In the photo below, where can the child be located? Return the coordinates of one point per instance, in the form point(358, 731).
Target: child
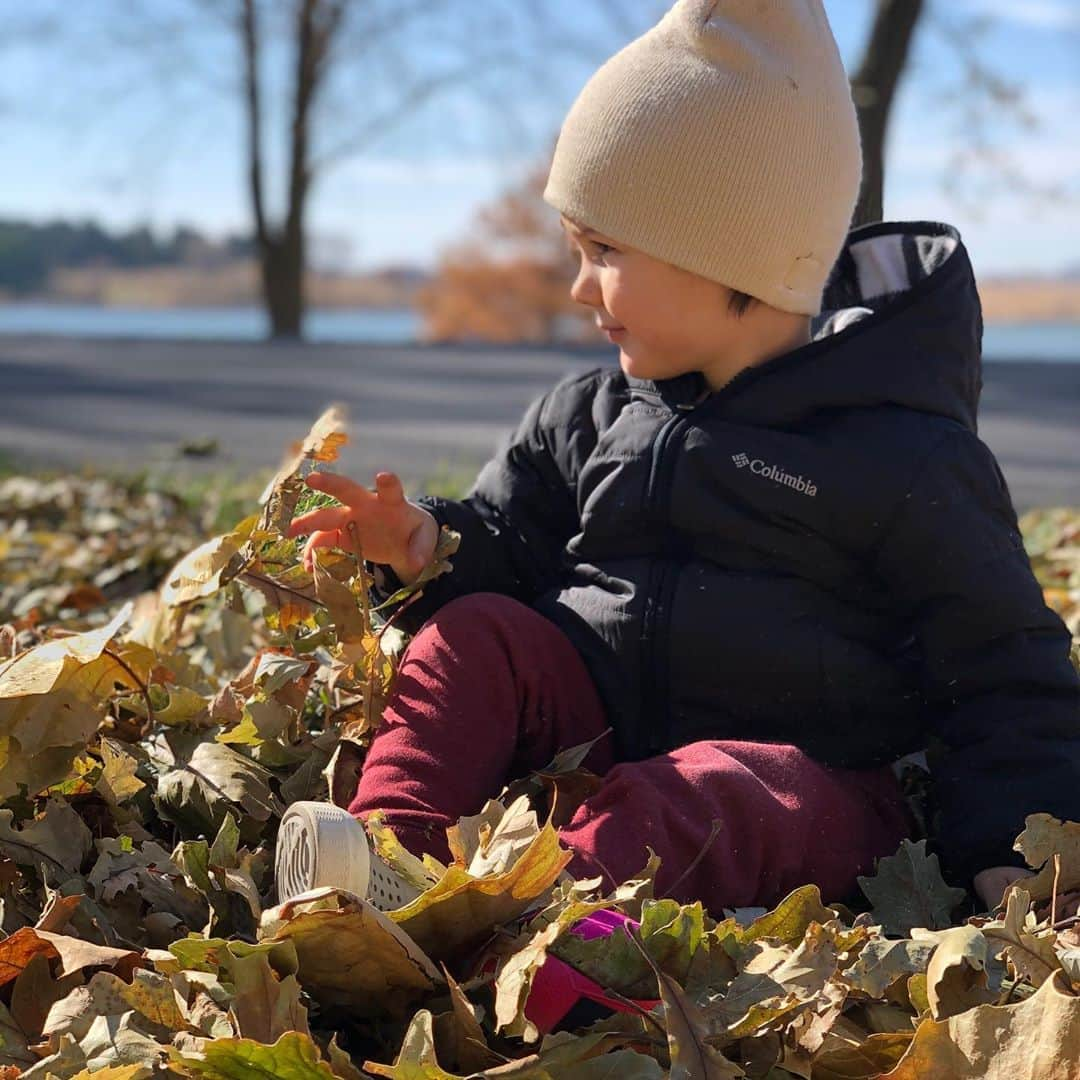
point(768, 550)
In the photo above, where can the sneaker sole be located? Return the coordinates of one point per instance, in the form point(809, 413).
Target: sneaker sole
point(320, 844)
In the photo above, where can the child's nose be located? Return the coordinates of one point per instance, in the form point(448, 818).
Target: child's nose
point(586, 288)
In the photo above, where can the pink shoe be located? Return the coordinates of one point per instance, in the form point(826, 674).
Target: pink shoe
point(557, 987)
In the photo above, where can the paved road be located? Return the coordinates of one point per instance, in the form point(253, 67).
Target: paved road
point(420, 410)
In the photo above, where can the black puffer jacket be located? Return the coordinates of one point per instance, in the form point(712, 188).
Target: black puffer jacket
point(822, 552)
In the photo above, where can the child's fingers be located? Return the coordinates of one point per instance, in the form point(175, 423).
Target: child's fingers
point(326, 517)
point(341, 487)
point(388, 487)
point(323, 538)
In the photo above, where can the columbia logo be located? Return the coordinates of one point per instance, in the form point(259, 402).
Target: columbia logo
point(774, 472)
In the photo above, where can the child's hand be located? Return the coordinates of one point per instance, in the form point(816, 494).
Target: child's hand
point(388, 527)
point(992, 884)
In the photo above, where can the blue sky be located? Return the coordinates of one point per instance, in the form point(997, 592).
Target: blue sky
point(88, 132)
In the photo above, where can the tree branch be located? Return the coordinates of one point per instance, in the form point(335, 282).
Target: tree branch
point(415, 96)
point(249, 36)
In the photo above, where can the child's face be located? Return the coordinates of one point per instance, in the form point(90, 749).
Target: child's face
point(671, 321)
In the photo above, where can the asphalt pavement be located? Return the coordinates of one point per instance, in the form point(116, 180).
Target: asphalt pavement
point(421, 410)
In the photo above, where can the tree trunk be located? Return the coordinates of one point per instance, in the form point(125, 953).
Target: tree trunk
point(872, 89)
point(283, 288)
point(282, 254)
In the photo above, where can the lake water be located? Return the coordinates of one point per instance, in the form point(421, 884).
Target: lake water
point(1057, 341)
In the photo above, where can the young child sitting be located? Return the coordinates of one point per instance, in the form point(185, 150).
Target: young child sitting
point(768, 549)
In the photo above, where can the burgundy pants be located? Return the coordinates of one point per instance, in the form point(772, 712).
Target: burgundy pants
point(489, 689)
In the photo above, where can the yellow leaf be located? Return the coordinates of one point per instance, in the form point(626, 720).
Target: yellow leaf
point(52, 698)
point(173, 705)
point(64, 662)
point(322, 443)
point(460, 911)
point(149, 993)
point(1038, 1039)
point(116, 1072)
point(1043, 838)
point(118, 781)
point(243, 734)
point(198, 574)
point(788, 921)
point(295, 1056)
point(349, 953)
point(956, 976)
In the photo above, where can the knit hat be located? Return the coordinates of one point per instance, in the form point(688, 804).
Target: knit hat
point(723, 140)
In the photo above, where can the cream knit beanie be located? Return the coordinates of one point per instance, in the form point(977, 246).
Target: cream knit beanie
point(723, 140)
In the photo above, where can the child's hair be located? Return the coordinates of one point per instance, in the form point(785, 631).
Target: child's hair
point(738, 302)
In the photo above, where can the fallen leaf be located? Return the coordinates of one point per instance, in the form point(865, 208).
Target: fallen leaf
point(460, 910)
point(57, 838)
point(1036, 1039)
point(350, 953)
point(956, 975)
point(118, 781)
point(692, 1056)
point(212, 781)
point(52, 698)
point(293, 1057)
point(881, 963)
point(1044, 837)
point(1029, 950)
point(863, 1060)
point(787, 922)
point(908, 891)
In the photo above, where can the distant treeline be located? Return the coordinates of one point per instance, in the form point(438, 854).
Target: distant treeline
point(30, 253)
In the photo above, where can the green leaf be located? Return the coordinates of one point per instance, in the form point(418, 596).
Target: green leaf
point(671, 933)
point(293, 1057)
point(787, 922)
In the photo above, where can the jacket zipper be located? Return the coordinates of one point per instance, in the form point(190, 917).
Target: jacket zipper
point(660, 590)
point(661, 584)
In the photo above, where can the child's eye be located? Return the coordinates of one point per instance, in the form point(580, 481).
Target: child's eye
point(601, 249)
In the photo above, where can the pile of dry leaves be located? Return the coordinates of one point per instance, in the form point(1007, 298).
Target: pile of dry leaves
point(163, 699)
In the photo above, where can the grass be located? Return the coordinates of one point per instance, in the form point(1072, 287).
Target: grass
point(219, 498)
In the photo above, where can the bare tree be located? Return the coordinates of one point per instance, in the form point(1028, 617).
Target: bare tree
point(349, 72)
point(281, 249)
point(319, 41)
point(328, 35)
point(873, 88)
point(980, 93)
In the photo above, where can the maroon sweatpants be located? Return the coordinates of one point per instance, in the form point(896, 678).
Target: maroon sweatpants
point(489, 689)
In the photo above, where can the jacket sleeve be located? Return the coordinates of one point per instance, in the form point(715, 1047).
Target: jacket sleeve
point(520, 512)
point(996, 668)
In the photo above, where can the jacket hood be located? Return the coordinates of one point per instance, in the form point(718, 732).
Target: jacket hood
point(901, 324)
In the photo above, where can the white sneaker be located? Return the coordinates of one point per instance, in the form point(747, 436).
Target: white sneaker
point(320, 844)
